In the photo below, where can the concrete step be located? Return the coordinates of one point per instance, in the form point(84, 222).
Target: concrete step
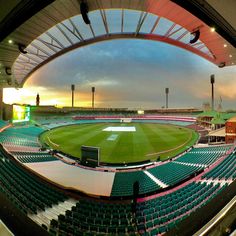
point(45, 217)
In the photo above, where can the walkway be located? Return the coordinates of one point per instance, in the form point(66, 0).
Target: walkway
point(157, 181)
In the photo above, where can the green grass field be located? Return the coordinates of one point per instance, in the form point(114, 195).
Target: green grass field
point(147, 143)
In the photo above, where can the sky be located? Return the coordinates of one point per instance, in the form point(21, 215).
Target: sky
point(129, 73)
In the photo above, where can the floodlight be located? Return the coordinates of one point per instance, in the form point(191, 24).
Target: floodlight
point(21, 48)
point(84, 12)
point(196, 35)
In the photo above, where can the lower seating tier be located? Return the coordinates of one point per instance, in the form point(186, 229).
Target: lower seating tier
point(146, 217)
point(25, 190)
point(31, 157)
point(124, 181)
point(172, 173)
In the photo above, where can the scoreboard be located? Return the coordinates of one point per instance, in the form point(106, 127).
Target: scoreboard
point(20, 113)
point(90, 156)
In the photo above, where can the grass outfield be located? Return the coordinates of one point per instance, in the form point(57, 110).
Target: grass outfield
point(147, 143)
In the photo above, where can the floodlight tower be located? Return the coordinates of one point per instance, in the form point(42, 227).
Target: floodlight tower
point(167, 93)
point(72, 93)
point(93, 92)
point(212, 91)
point(37, 100)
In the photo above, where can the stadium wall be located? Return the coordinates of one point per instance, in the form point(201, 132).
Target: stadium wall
point(230, 130)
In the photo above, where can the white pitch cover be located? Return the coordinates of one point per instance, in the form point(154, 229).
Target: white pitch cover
point(120, 129)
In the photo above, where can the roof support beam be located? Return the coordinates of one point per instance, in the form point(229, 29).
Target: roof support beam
point(40, 50)
point(170, 29)
point(50, 45)
point(104, 19)
point(155, 24)
point(103, 15)
point(122, 20)
point(28, 62)
point(201, 47)
point(71, 31)
point(142, 18)
point(197, 44)
point(75, 30)
point(182, 35)
point(174, 32)
point(37, 54)
point(56, 40)
point(92, 31)
point(30, 58)
point(65, 35)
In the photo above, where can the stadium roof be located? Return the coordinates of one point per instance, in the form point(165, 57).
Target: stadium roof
point(209, 113)
point(232, 119)
point(48, 29)
point(217, 133)
point(218, 120)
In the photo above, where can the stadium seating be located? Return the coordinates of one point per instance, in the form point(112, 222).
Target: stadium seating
point(153, 215)
point(169, 173)
point(59, 123)
point(29, 157)
point(18, 140)
point(25, 190)
point(53, 121)
point(162, 213)
point(29, 130)
point(172, 173)
point(123, 183)
point(158, 215)
point(21, 136)
point(171, 122)
point(225, 170)
point(204, 156)
point(91, 217)
point(3, 123)
point(222, 149)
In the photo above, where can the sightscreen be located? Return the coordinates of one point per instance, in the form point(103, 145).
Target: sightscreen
point(20, 113)
point(90, 156)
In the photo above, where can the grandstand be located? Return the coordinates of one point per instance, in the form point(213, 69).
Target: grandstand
point(29, 157)
point(203, 172)
point(27, 193)
point(224, 170)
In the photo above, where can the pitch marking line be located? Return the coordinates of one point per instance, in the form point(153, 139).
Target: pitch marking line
point(52, 142)
point(169, 150)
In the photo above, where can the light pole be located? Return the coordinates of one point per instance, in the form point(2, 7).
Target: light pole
point(93, 92)
point(212, 91)
point(72, 93)
point(167, 93)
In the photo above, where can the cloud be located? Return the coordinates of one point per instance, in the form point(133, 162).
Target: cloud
point(133, 73)
point(226, 91)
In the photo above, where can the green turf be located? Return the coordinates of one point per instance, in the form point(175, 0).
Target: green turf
point(147, 143)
